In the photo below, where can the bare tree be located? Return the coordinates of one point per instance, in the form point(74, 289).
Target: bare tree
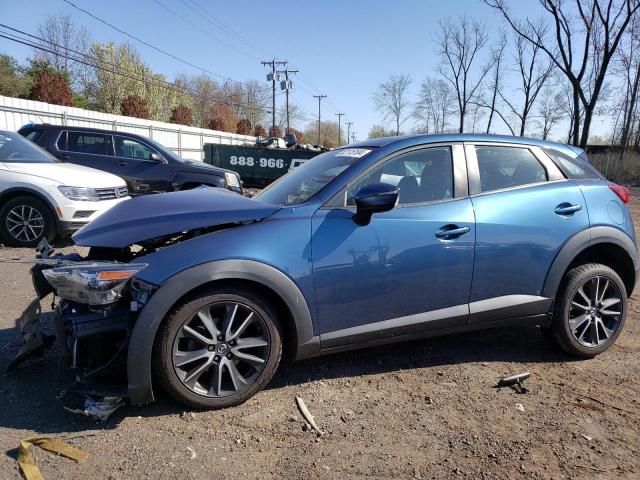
point(582, 47)
point(459, 45)
point(391, 99)
point(629, 64)
point(550, 111)
point(434, 105)
point(533, 76)
point(497, 53)
point(61, 37)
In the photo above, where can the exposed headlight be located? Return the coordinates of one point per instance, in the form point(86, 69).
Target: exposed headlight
point(95, 283)
point(79, 193)
point(232, 179)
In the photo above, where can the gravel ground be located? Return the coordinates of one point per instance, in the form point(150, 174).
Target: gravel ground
point(422, 409)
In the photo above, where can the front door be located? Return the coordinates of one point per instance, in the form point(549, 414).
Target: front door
point(410, 269)
point(133, 162)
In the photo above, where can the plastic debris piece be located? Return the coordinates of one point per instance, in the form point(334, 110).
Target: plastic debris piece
point(99, 409)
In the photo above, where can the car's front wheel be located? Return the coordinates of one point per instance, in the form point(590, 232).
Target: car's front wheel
point(590, 310)
point(24, 221)
point(218, 349)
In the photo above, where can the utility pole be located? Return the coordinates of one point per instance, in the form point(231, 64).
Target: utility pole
point(353, 137)
point(272, 77)
point(339, 118)
point(319, 97)
point(286, 86)
point(349, 131)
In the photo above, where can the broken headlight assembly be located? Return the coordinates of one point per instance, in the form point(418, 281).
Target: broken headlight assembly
point(93, 283)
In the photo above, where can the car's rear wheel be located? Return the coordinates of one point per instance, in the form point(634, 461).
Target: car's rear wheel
point(590, 310)
point(24, 221)
point(218, 349)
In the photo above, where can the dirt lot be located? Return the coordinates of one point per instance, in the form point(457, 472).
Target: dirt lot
point(424, 409)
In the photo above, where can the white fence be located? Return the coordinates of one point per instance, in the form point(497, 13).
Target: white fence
point(185, 141)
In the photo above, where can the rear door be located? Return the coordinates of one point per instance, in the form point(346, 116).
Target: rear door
point(525, 210)
point(132, 161)
point(86, 148)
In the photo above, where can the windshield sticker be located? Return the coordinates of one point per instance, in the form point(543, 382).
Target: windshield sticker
point(353, 152)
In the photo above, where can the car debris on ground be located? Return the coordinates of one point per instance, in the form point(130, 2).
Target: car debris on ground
point(27, 461)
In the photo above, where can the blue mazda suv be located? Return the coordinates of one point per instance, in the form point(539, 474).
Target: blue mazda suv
point(199, 293)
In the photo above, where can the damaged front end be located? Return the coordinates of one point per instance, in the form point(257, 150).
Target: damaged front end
point(100, 294)
point(98, 303)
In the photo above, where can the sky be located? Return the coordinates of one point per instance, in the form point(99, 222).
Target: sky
point(343, 49)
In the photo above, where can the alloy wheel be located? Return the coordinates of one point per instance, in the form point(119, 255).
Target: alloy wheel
point(221, 350)
point(596, 311)
point(24, 223)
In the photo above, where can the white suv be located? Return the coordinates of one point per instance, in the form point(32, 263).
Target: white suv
point(43, 198)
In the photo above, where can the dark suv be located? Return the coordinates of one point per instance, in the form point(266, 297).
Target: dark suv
point(145, 165)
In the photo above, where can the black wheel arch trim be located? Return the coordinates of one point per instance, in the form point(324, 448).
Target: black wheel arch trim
point(580, 242)
point(139, 374)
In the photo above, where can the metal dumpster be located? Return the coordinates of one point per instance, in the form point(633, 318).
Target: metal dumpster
point(257, 166)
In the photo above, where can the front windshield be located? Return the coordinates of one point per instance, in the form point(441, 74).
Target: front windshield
point(16, 149)
point(305, 181)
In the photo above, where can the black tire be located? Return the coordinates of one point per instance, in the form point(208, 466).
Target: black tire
point(565, 308)
point(165, 372)
point(42, 221)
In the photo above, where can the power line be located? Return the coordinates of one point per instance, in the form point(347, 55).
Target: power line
point(339, 117)
point(164, 52)
point(287, 86)
point(222, 26)
point(95, 63)
point(273, 76)
point(349, 131)
point(189, 22)
point(319, 97)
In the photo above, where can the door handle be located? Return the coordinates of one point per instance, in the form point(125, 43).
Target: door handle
point(449, 232)
point(120, 163)
point(567, 209)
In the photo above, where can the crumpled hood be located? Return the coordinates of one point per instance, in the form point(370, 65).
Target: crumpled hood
point(151, 216)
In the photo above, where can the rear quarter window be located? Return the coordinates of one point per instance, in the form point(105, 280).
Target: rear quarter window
point(577, 168)
point(33, 134)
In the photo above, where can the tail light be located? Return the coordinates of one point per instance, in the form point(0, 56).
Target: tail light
point(622, 192)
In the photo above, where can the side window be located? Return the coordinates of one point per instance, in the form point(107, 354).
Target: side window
point(504, 167)
point(131, 148)
point(82, 142)
point(33, 134)
point(574, 168)
point(62, 141)
point(422, 176)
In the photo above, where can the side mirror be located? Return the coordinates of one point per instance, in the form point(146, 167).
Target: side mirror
point(374, 198)
point(156, 157)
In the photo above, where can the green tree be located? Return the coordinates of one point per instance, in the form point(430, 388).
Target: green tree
point(121, 73)
point(13, 81)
